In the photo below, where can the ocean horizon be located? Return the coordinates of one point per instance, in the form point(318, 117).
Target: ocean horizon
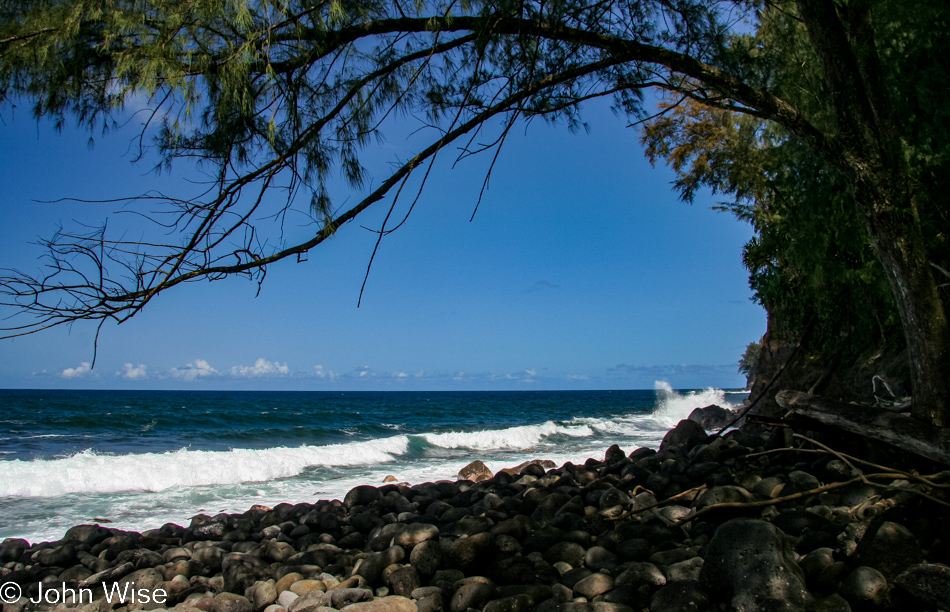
point(135, 460)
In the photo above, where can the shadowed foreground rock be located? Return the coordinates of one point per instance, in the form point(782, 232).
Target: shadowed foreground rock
point(691, 527)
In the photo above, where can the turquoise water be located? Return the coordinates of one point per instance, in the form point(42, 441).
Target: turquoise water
point(141, 459)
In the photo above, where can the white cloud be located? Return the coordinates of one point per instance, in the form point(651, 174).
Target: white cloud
point(524, 376)
point(83, 370)
point(261, 369)
point(322, 374)
point(193, 371)
point(130, 372)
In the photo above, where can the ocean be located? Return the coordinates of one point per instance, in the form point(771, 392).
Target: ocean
point(136, 460)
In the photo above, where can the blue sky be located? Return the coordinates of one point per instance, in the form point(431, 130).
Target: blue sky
point(581, 270)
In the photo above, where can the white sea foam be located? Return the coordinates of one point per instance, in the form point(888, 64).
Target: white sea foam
point(525, 436)
point(90, 472)
point(673, 407)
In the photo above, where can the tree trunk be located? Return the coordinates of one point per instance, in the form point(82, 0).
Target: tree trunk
point(872, 157)
point(894, 428)
point(897, 239)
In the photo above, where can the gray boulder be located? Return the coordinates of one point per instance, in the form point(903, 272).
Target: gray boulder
point(753, 562)
point(928, 582)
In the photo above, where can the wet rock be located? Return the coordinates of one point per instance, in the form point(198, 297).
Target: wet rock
point(683, 437)
point(475, 471)
point(712, 416)
point(752, 562)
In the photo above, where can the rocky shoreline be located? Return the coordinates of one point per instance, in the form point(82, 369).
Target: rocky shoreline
point(752, 520)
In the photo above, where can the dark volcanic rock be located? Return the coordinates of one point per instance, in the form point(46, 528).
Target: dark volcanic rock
point(929, 583)
point(753, 561)
point(685, 596)
point(683, 437)
point(712, 416)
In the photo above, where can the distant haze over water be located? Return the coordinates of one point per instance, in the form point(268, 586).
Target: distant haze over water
point(142, 459)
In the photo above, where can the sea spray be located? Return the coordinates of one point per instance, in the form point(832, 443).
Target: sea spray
point(673, 406)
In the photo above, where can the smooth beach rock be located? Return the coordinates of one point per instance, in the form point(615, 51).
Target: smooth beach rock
point(753, 562)
point(683, 437)
point(614, 454)
point(639, 573)
point(471, 595)
point(426, 557)
point(242, 570)
point(712, 416)
point(593, 585)
point(475, 471)
point(864, 587)
point(286, 581)
point(415, 534)
point(684, 571)
point(392, 603)
point(566, 552)
point(361, 496)
point(371, 568)
point(890, 547)
point(514, 603)
point(285, 598)
point(928, 582)
point(471, 551)
point(229, 602)
point(680, 596)
point(598, 558)
point(341, 598)
point(404, 581)
point(590, 606)
point(261, 594)
point(308, 602)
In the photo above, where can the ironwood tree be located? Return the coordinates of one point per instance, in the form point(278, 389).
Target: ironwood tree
point(276, 95)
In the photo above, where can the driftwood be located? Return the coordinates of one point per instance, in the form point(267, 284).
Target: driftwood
point(900, 430)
